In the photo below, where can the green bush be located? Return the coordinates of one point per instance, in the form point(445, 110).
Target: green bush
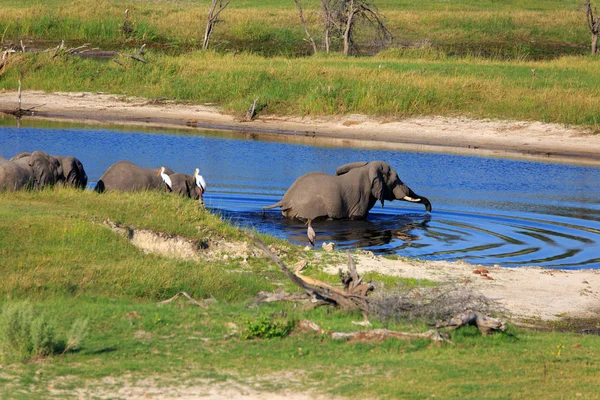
point(25, 336)
point(267, 328)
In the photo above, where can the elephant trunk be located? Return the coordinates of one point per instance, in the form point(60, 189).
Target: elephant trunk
point(403, 192)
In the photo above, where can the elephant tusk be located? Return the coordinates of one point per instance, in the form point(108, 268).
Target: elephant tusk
point(411, 199)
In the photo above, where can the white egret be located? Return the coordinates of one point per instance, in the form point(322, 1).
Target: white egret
point(166, 179)
point(200, 185)
point(200, 182)
point(310, 232)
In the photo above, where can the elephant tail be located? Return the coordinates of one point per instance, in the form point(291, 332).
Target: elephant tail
point(278, 204)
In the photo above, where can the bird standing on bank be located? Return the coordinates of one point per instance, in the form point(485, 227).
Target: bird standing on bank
point(200, 184)
point(310, 232)
point(166, 180)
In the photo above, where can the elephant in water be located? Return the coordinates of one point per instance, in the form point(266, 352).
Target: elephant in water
point(71, 172)
point(349, 194)
point(184, 185)
point(128, 177)
point(125, 176)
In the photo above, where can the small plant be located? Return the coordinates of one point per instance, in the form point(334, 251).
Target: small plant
point(267, 328)
point(25, 336)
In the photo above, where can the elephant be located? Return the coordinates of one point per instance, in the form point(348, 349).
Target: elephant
point(128, 177)
point(184, 185)
point(14, 176)
point(349, 194)
point(72, 173)
point(30, 170)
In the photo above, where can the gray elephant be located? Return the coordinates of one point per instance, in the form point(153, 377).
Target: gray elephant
point(71, 172)
point(129, 177)
point(30, 170)
point(350, 194)
point(13, 176)
point(184, 185)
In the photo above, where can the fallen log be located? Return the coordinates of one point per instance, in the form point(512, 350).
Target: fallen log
point(346, 300)
point(374, 335)
point(484, 323)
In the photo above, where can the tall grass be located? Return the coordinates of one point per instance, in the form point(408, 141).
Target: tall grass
point(393, 84)
point(532, 28)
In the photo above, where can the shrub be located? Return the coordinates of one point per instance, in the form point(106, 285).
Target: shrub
point(25, 336)
point(266, 328)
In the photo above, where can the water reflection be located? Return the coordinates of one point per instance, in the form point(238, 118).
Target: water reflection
point(484, 210)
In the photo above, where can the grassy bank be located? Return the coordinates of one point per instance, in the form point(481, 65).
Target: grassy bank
point(489, 59)
point(393, 84)
point(55, 252)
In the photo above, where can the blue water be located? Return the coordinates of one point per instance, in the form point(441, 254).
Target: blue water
point(485, 210)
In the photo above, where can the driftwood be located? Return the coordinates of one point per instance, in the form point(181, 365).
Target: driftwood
point(251, 113)
point(351, 299)
point(373, 335)
point(484, 323)
point(19, 112)
point(281, 295)
point(84, 51)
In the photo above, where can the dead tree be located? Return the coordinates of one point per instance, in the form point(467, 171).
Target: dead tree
point(213, 18)
point(352, 298)
point(310, 39)
point(593, 23)
point(362, 11)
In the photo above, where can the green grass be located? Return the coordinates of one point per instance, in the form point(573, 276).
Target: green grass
point(463, 58)
point(390, 85)
point(532, 28)
point(55, 253)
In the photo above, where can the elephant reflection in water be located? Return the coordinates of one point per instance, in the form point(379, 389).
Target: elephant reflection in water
point(366, 233)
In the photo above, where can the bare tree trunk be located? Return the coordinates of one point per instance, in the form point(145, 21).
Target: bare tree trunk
point(328, 20)
point(312, 42)
point(212, 20)
point(593, 25)
point(349, 24)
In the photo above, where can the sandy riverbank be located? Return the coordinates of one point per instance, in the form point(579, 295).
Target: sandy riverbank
point(522, 292)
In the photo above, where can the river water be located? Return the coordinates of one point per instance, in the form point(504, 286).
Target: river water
point(485, 210)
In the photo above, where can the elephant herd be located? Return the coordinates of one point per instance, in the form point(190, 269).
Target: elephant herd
point(349, 194)
point(37, 170)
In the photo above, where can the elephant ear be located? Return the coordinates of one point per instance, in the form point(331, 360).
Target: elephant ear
point(347, 167)
point(377, 183)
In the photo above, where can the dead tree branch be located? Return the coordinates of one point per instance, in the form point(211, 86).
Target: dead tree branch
point(310, 39)
point(58, 48)
point(347, 301)
point(187, 296)
point(213, 18)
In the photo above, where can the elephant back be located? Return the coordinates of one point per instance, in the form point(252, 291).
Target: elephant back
point(127, 176)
